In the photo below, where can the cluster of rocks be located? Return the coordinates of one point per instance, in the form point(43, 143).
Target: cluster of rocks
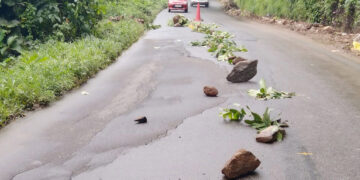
point(243, 71)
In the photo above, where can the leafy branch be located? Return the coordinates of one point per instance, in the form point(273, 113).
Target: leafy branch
point(221, 45)
point(233, 114)
point(262, 122)
point(202, 27)
point(265, 93)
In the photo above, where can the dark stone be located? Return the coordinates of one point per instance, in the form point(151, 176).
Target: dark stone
point(243, 71)
point(141, 120)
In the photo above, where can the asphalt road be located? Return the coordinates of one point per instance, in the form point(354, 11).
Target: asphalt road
point(93, 137)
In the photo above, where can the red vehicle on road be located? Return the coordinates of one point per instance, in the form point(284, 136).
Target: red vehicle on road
point(178, 5)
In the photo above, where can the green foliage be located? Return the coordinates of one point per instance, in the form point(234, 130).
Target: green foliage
point(41, 75)
point(262, 122)
point(31, 20)
point(233, 114)
point(221, 45)
point(180, 19)
point(341, 13)
point(202, 27)
point(265, 93)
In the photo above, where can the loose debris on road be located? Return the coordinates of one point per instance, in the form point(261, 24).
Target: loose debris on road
point(210, 91)
point(268, 129)
point(265, 93)
point(141, 120)
point(305, 153)
point(179, 21)
point(220, 44)
point(243, 71)
point(241, 163)
point(202, 27)
point(85, 93)
point(270, 134)
point(233, 114)
point(234, 60)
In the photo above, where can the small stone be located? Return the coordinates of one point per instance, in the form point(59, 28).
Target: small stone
point(237, 59)
point(141, 21)
point(177, 25)
point(242, 163)
point(316, 24)
point(243, 71)
point(300, 27)
point(328, 29)
point(268, 135)
point(141, 120)
point(116, 18)
point(308, 26)
point(210, 91)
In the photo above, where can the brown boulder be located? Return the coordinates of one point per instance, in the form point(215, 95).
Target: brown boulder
point(210, 91)
point(176, 19)
point(242, 163)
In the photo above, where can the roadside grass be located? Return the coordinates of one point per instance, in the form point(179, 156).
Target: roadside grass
point(343, 14)
point(40, 76)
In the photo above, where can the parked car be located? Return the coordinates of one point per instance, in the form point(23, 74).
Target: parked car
point(202, 2)
point(178, 5)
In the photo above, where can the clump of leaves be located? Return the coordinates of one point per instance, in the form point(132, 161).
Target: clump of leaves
point(179, 21)
point(221, 45)
point(262, 122)
point(265, 93)
point(153, 26)
point(233, 114)
point(202, 27)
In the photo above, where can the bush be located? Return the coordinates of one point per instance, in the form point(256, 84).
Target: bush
point(39, 76)
point(340, 13)
point(31, 20)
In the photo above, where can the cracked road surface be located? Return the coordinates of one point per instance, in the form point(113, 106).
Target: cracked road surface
point(93, 137)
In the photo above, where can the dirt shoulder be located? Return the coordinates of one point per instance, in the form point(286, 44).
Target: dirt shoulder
point(340, 41)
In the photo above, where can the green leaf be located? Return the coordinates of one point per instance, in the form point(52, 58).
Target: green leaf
point(11, 40)
point(9, 2)
point(257, 117)
point(250, 122)
point(3, 50)
point(262, 84)
point(258, 125)
point(279, 136)
point(8, 24)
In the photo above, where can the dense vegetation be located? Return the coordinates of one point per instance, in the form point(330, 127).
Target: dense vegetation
point(339, 13)
point(50, 46)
